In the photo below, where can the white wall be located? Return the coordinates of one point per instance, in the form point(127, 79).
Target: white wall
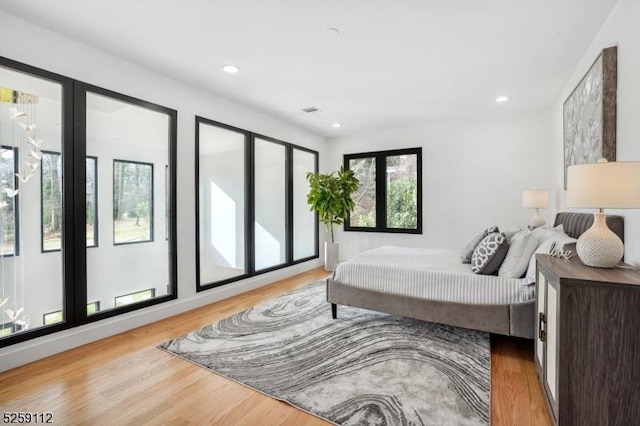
point(473, 174)
point(621, 28)
point(42, 48)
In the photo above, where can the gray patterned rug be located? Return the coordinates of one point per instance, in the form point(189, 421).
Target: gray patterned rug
point(365, 368)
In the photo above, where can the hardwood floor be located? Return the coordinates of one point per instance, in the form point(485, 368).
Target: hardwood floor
point(125, 379)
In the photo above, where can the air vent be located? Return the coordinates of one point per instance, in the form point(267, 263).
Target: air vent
point(312, 109)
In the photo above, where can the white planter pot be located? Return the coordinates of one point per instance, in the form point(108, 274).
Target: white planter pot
point(331, 255)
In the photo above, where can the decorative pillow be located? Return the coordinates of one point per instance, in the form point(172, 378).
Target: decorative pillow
point(521, 248)
point(562, 239)
point(467, 251)
point(489, 254)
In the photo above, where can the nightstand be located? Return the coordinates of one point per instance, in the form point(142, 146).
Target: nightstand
point(587, 344)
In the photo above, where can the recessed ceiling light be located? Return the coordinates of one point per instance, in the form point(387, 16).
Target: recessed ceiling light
point(336, 125)
point(501, 99)
point(231, 69)
point(332, 33)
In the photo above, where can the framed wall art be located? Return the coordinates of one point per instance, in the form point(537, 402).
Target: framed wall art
point(589, 114)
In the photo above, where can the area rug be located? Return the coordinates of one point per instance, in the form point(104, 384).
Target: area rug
point(363, 368)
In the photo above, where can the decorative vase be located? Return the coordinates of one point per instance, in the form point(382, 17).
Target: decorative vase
point(331, 255)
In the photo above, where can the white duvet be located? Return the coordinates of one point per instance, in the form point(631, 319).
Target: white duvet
point(432, 274)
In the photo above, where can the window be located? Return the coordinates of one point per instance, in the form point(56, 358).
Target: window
point(136, 297)
point(93, 307)
point(8, 201)
point(52, 318)
point(252, 211)
point(305, 223)
point(132, 202)
point(51, 197)
point(51, 186)
point(56, 316)
point(7, 329)
point(51, 203)
point(270, 203)
point(222, 206)
point(135, 193)
point(389, 198)
point(91, 201)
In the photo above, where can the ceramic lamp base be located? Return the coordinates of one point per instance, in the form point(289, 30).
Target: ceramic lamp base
point(536, 220)
point(599, 246)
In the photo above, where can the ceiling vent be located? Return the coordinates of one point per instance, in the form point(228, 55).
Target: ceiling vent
point(311, 110)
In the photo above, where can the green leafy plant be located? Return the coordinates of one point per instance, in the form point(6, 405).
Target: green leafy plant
point(330, 196)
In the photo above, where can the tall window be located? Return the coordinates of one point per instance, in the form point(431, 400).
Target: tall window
point(222, 207)
point(52, 208)
point(32, 122)
point(252, 210)
point(8, 201)
point(270, 203)
point(132, 202)
point(136, 140)
point(51, 187)
point(389, 198)
point(51, 184)
point(91, 201)
point(305, 228)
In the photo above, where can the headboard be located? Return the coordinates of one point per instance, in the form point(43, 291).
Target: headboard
point(576, 223)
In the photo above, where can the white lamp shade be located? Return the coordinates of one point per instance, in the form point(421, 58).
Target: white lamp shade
point(604, 185)
point(535, 198)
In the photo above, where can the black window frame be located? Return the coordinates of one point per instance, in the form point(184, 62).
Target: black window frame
point(249, 228)
point(380, 158)
point(151, 201)
point(80, 109)
point(74, 253)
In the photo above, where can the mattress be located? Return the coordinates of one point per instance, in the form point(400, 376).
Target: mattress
point(432, 274)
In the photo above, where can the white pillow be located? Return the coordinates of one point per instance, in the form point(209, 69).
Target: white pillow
point(543, 233)
point(509, 233)
point(521, 248)
point(562, 239)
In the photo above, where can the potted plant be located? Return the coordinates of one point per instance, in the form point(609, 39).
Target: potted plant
point(330, 197)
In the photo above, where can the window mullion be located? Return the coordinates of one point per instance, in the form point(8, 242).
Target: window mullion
point(381, 190)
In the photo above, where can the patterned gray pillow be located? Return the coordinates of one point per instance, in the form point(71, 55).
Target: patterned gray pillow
point(468, 249)
point(489, 254)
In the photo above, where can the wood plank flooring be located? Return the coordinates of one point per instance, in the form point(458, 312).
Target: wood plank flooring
point(125, 379)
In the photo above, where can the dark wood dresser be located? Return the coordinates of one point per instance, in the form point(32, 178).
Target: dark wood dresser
point(587, 345)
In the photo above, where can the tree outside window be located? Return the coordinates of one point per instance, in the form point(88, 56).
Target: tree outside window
point(132, 202)
point(51, 184)
point(8, 216)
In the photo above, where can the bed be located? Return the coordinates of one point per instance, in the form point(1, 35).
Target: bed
point(433, 285)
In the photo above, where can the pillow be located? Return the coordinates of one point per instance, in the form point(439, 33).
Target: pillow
point(489, 254)
point(543, 233)
point(467, 251)
point(562, 239)
point(509, 233)
point(521, 248)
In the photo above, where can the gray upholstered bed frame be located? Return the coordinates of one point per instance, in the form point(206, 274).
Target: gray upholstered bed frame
point(516, 319)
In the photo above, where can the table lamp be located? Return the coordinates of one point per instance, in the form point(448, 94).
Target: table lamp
point(535, 199)
point(603, 185)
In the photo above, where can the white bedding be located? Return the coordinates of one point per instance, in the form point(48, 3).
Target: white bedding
point(429, 274)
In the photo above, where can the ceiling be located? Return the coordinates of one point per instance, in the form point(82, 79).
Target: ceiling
point(395, 63)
